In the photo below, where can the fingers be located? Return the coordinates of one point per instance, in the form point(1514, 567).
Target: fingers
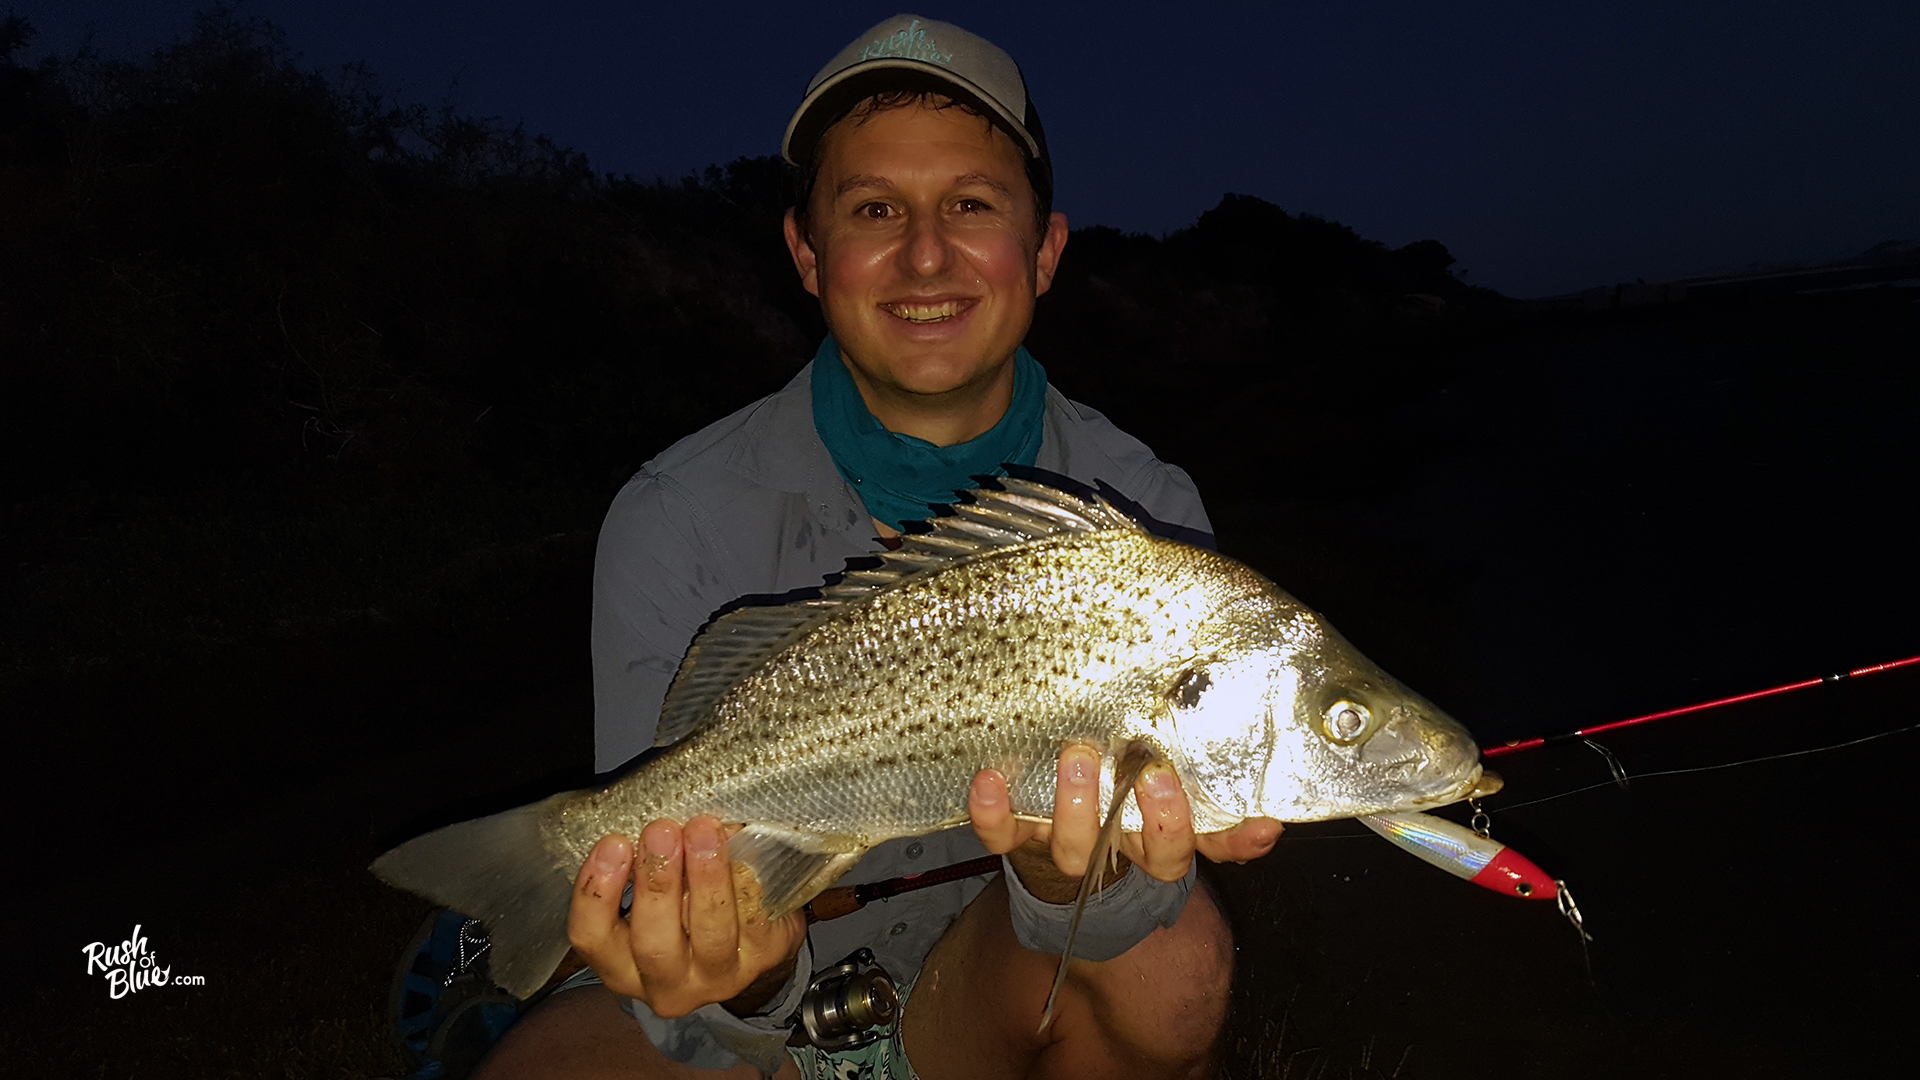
point(593, 917)
point(1248, 840)
point(712, 926)
point(1166, 837)
point(689, 940)
point(990, 807)
point(1076, 810)
point(1168, 843)
point(658, 945)
point(1165, 849)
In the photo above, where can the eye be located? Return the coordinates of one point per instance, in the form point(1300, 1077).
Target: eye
point(973, 206)
point(875, 211)
point(1188, 688)
point(1347, 720)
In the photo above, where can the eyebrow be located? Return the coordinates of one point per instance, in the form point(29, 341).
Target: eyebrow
point(864, 182)
point(985, 181)
point(859, 183)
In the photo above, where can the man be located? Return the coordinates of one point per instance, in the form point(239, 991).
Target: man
point(924, 226)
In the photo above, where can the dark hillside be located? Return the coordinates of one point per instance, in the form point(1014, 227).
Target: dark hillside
point(234, 285)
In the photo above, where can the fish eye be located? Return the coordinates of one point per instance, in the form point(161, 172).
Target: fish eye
point(1188, 688)
point(1347, 720)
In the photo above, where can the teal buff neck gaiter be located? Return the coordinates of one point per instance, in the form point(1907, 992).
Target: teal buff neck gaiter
point(899, 477)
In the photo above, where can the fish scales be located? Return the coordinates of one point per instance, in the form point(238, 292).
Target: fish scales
point(872, 725)
point(1029, 619)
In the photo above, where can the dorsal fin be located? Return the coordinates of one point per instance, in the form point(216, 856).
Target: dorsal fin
point(1013, 514)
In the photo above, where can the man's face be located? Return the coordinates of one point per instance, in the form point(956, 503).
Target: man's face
point(923, 249)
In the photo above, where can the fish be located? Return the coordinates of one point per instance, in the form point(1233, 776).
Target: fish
point(1025, 618)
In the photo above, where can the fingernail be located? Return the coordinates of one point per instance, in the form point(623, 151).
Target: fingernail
point(1161, 783)
point(702, 839)
point(659, 842)
point(606, 856)
point(1079, 770)
point(985, 791)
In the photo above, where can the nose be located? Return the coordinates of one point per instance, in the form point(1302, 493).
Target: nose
point(928, 250)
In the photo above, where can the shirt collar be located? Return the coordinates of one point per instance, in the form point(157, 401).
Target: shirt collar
point(781, 450)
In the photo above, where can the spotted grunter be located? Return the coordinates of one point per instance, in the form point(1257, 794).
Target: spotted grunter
point(1028, 619)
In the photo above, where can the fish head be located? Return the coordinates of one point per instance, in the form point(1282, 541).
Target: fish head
point(1277, 715)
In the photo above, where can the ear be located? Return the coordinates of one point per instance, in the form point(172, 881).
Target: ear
point(1048, 259)
point(804, 259)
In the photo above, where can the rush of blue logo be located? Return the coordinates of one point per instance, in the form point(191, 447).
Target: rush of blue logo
point(910, 44)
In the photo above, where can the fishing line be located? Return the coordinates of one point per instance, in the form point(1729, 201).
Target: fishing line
point(1713, 768)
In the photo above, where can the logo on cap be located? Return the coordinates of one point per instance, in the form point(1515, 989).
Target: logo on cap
point(909, 44)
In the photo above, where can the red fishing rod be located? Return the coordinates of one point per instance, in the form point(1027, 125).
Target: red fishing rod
point(1518, 745)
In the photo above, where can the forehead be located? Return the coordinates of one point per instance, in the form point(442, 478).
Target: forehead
point(919, 139)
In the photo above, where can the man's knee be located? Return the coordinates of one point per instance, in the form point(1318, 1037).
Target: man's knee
point(1184, 981)
point(584, 1034)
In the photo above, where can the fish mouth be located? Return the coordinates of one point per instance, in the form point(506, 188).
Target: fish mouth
point(1477, 784)
point(1488, 784)
point(1429, 759)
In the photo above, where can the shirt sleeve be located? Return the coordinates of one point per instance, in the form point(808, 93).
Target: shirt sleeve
point(1082, 443)
point(1171, 500)
point(1117, 917)
point(659, 573)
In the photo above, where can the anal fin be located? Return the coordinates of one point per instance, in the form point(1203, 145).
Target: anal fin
point(1105, 855)
point(791, 866)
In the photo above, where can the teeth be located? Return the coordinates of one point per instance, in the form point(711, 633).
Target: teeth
point(923, 313)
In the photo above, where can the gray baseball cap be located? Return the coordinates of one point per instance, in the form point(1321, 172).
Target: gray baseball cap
point(974, 69)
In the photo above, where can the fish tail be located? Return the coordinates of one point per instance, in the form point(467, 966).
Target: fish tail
point(496, 869)
point(1126, 770)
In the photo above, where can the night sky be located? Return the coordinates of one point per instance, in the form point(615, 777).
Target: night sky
point(1552, 147)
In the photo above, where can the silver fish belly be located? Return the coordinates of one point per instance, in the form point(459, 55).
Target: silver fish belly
point(1028, 620)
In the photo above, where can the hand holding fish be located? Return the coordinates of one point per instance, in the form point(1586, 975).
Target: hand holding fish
point(690, 940)
point(1164, 850)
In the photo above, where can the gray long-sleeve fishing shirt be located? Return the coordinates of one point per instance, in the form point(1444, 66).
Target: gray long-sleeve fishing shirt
point(753, 504)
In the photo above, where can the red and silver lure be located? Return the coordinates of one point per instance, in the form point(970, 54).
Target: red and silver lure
point(1464, 853)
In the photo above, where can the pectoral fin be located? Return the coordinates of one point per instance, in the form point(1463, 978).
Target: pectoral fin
point(792, 866)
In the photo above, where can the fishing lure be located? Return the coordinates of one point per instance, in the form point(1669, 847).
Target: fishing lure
point(1465, 854)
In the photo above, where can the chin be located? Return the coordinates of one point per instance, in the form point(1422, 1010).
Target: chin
point(941, 380)
point(935, 374)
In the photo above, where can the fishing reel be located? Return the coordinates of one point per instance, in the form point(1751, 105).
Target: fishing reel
point(846, 1004)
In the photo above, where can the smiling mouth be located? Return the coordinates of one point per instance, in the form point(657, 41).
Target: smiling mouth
point(927, 313)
